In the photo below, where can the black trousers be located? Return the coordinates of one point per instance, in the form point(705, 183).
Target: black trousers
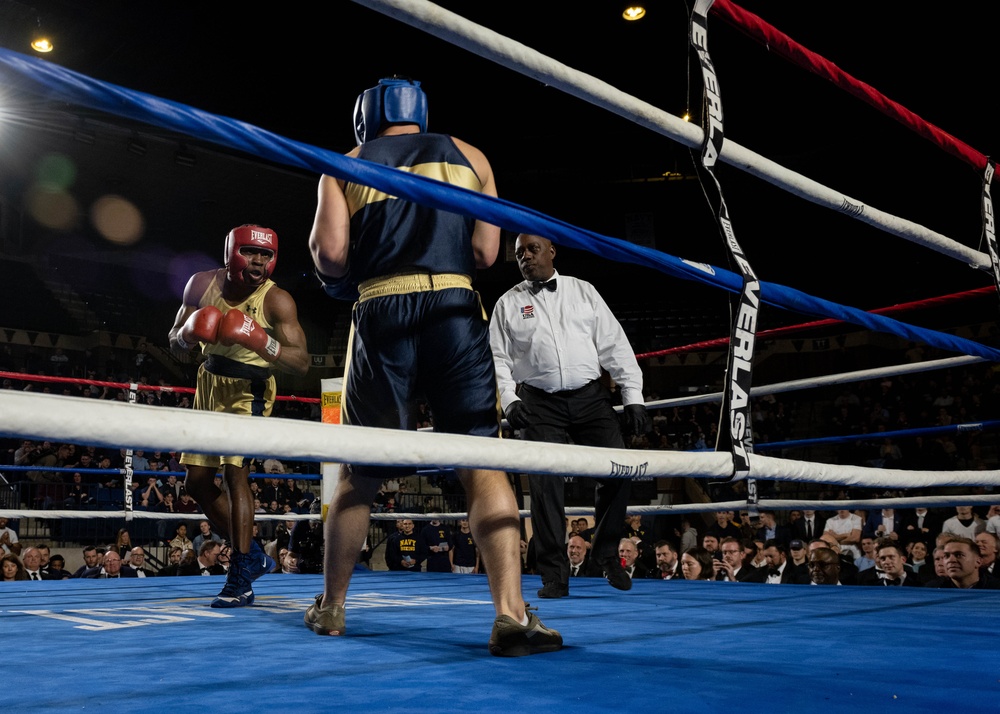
point(585, 417)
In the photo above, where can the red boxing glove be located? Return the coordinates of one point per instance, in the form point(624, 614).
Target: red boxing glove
point(238, 328)
point(201, 326)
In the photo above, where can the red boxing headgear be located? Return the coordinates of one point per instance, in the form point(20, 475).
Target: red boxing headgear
point(249, 236)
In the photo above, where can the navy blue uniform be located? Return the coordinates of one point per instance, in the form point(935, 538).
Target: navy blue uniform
point(465, 549)
point(418, 327)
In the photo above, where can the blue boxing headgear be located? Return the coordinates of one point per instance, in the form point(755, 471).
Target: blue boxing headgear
point(394, 101)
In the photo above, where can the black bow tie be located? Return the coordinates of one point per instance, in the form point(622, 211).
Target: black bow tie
point(893, 581)
point(774, 571)
point(537, 286)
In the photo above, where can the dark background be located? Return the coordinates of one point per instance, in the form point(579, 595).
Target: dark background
point(296, 68)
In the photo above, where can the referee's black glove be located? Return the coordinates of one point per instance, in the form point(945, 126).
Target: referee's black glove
point(519, 416)
point(637, 421)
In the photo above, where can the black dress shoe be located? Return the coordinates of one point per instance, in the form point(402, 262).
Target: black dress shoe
point(616, 574)
point(553, 590)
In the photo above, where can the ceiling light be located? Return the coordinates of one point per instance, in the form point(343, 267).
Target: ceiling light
point(633, 11)
point(40, 42)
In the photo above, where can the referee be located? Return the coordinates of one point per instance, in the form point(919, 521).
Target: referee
point(552, 335)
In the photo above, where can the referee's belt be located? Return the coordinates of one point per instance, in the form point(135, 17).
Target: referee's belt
point(411, 283)
point(564, 393)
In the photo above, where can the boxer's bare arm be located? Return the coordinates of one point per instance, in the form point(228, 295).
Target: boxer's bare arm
point(329, 241)
point(485, 236)
point(282, 313)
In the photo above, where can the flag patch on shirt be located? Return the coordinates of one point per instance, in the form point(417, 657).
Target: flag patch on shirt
point(528, 311)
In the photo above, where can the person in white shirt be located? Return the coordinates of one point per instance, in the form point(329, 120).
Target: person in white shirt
point(846, 528)
point(964, 523)
point(552, 335)
point(993, 520)
point(8, 539)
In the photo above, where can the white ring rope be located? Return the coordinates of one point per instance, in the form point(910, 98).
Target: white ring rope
point(773, 504)
point(833, 379)
point(110, 424)
point(490, 45)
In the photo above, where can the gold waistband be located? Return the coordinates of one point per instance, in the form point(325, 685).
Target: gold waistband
point(411, 283)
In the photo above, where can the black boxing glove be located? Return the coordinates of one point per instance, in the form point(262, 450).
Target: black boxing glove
point(519, 416)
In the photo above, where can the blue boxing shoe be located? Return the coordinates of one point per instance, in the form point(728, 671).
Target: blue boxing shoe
point(244, 568)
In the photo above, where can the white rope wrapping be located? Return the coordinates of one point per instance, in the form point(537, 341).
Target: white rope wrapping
point(773, 504)
point(110, 424)
point(486, 43)
point(829, 380)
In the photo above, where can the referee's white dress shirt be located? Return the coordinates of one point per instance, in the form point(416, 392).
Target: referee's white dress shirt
point(559, 340)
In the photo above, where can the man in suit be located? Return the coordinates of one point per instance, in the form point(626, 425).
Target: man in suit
point(781, 570)
point(810, 526)
point(110, 567)
point(173, 563)
point(628, 551)
point(989, 548)
point(579, 558)
point(91, 559)
point(770, 530)
point(32, 559)
point(848, 570)
point(920, 524)
point(890, 560)
point(884, 524)
point(961, 565)
point(824, 566)
point(207, 562)
point(667, 562)
point(137, 562)
point(732, 567)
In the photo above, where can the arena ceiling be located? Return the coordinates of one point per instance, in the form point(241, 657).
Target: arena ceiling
point(296, 72)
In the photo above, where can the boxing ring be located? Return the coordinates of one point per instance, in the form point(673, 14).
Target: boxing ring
point(671, 645)
point(418, 645)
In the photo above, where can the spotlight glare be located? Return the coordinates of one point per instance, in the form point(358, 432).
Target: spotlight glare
point(634, 12)
point(42, 44)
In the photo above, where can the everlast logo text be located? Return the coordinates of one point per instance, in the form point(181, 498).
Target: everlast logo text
point(739, 383)
point(247, 325)
point(623, 471)
point(260, 237)
point(713, 100)
point(989, 227)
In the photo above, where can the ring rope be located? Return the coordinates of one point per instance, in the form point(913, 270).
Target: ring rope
point(144, 472)
point(23, 377)
point(154, 428)
point(979, 426)
point(58, 82)
point(777, 332)
point(490, 45)
point(484, 205)
point(765, 504)
point(781, 45)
